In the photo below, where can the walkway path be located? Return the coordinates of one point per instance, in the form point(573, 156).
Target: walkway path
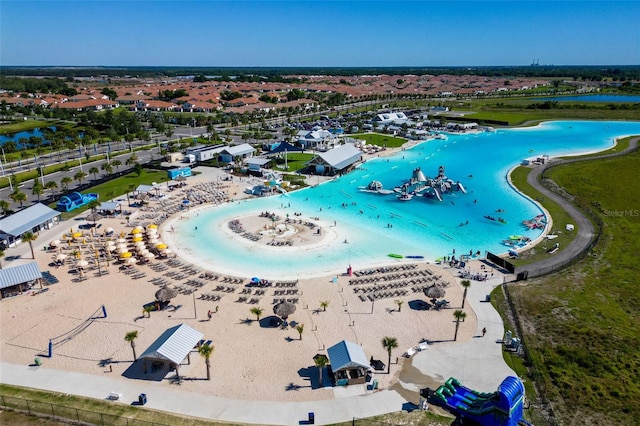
point(585, 233)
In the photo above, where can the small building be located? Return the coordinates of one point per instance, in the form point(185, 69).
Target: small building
point(31, 219)
point(255, 164)
point(389, 118)
point(230, 153)
point(205, 152)
point(182, 171)
point(173, 347)
point(335, 161)
point(174, 157)
point(110, 208)
point(348, 363)
point(18, 279)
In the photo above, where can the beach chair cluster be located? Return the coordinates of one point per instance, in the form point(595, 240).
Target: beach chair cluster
point(389, 277)
point(209, 276)
point(208, 192)
point(184, 289)
point(225, 289)
point(231, 280)
point(377, 295)
point(175, 263)
point(385, 269)
point(290, 292)
point(211, 297)
point(159, 267)
point(293, 300)
point(176, 275)
point(160, 281)
point(280, 243)
point(195, 283)
point(285, 283)
point(237, 227)
point(251, 301)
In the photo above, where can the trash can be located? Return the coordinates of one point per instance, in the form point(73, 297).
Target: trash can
point(312, 418)
point(37, 361)
point(487, 298)
point(142, 398)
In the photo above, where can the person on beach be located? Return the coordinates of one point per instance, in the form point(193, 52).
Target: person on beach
point(209, 316)
point(484, 331)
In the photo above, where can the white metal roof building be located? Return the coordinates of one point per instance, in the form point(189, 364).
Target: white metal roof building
point(16, 276)
point(229, 153)
point(32, 219)
point(348, 363)
point(335, 160)
point(390, 118)
point(174, 345)
point(205, 152)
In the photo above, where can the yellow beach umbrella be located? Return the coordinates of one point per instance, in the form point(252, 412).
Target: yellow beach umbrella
point(152, 226)
point(126, 254)
point(136, 239)
point(161, 246)
point(136, 231)
point(77, 234)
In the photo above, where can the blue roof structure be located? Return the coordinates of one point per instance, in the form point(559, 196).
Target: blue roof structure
point(346, 355)
point(27, 219)
point(19, 274)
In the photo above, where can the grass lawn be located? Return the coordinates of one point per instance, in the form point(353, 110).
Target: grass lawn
point(380, 139)
point(117, 187)
point(559, 216)
point(582, 324)
point(295, 160)
point(21, 126)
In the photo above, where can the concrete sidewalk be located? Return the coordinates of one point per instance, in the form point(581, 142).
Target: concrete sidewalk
point(210, 407)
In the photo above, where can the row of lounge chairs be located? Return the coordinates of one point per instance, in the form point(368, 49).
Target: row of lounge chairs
point(385, 269)
point(231, 280)
point(293, 300)
point(383, 295)
point(160, 281)
point(280, 243)
point(185, 289)
point(389, 277)
point(243, 299)
point(210, 297)
point(209, 276)
point(285, 283)
point(285, 292)
point(225, 289)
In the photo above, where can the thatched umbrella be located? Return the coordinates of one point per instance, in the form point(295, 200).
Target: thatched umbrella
point(165, 294)
point(284, 309)
point(434, 292)
point(94, 217)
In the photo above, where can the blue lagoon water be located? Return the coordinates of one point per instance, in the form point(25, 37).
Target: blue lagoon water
point(375, 225)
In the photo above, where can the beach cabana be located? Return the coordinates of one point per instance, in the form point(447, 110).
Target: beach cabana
point(18, 279)
point(173, 346)
point(33, 219)
point(348, 363)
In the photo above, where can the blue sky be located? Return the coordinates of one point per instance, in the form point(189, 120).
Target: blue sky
point(318, 33)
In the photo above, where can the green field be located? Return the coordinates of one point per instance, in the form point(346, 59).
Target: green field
point(582, 323)
point(295, 161)
point(380, 139)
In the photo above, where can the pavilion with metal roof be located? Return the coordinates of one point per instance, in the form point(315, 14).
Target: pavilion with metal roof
point(174, 345)
point(17, 279)
point(348, 363)
point(33, 218)
point(336, 160)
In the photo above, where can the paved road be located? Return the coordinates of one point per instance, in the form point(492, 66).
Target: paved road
point(585, 230)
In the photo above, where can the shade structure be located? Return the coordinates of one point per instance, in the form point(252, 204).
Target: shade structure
point(161, 246)
point(121, 240)
point(136, 231)
point(152, 226)
point(94, 217)
point(153, 241)
point(125, 254)
point(166, 252)
point(137, 239)
point(143, 252)
point(434, 292)
point(144, 197)
point(165, 294)
point(54, 243)
point(111, 248)
point(61, 257)
point(77, 234)
point(82, 263)
point(130, 261)
point(139, 244)
point(109, 230)
point(284, 309)
point(149, 255)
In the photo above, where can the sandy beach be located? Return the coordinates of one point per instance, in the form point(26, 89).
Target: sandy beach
point(251, 361)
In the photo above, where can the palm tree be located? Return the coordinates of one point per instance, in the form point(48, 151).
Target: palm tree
point(131, 160)
point(147, 310)
point(465, 284)
point(399, 303)
point(130, 188)
point(79, 176)
point(37, 189)
point(206, 350)
point(300, 329)
point(107, 168)
point(94, 171)
point(4, 206)
point(131, 337)
point(117, 163)
point(257, 312)
point(321, 362)
point(51, 186)
point(18, 197)
point(389, 343)
point(93, 205)
point(458, 314)
point(324, 305)
point(30, 237)
point(65, 182)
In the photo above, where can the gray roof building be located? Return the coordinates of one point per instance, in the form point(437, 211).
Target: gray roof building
point(32, 218)
point(174, 344)
point(18, 275)
point(336, 159)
